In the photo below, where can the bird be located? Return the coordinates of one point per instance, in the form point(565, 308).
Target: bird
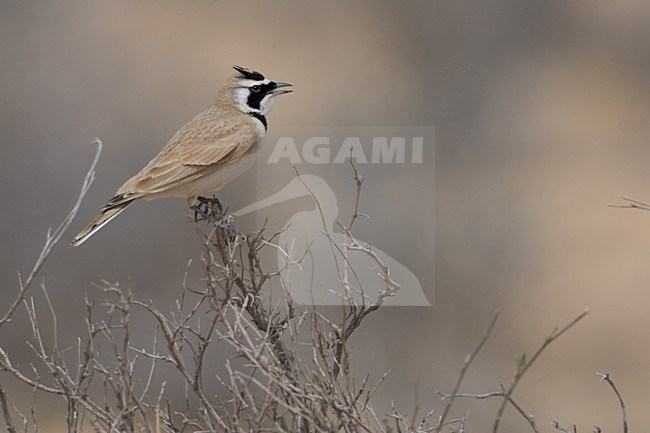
point(206, 153)
point(310, 235)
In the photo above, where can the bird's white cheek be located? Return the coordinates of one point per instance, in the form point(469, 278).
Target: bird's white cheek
point(266, 104)
point(240, 96)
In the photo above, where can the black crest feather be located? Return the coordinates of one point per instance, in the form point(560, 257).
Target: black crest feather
point(251, 75)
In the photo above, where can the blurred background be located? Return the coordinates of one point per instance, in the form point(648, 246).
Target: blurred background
point(542, 117)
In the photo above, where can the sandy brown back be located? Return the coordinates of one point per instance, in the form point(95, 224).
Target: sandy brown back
point(215, 137)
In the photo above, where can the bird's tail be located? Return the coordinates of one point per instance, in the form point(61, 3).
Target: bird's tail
point(102, 219)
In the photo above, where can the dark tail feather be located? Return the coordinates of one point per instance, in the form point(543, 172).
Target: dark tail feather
point(104, 218)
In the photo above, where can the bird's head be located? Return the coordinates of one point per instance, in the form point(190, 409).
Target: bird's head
point(253, 93)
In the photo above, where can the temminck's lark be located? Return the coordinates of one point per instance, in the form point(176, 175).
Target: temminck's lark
point(206, 153)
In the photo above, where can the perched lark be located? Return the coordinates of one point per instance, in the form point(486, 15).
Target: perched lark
point(206, 153)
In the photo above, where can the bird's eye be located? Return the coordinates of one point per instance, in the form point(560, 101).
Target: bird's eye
point(255, 88)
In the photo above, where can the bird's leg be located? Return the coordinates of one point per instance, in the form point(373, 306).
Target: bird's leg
point(212, 205)
point(201, 206)
point(194, 207)
point(212, 210)
point(205, 213)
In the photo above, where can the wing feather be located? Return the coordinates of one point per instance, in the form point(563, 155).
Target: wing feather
point(197, 149)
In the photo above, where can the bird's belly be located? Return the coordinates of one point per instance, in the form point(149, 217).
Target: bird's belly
point(215, 180)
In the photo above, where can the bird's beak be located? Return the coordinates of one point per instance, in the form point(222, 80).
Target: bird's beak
point(278, 90)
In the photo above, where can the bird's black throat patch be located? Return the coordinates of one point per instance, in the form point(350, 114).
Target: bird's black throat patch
point(261, 118)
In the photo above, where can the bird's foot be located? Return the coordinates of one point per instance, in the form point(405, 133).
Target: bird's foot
point(211, 206)
point(210, 209)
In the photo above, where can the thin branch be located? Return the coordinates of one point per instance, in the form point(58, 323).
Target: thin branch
point(631, 204)
point(556, 425)
point(5, 411)
point(502, 394)
point(53, 237)
point(605, 377)
point(522, 369)
point(468, 360)
point(358, 179)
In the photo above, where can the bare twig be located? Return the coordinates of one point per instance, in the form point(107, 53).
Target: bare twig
point(466, 363)
point(557, 426)
point(358, 180)
point(605, 377)
point(506, 393)
point(631, 204)
point(53, 238)
point(5, 411)
point(523, 368)
point(530, 419)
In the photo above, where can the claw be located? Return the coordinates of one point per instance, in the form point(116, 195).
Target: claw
point(210, 209)
point(211, 205)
